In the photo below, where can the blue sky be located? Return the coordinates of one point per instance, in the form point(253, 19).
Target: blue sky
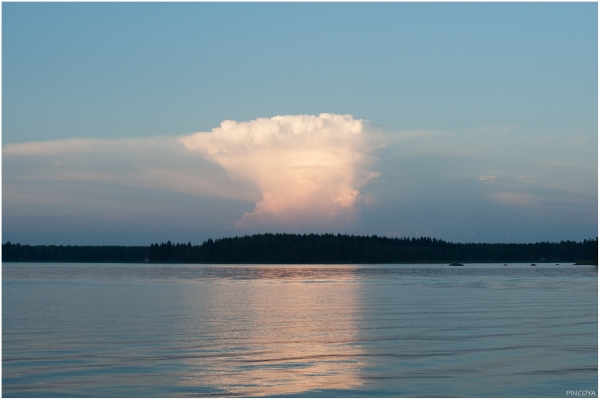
point(482, 118)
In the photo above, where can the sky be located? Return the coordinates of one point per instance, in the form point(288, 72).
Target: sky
point(136, 123)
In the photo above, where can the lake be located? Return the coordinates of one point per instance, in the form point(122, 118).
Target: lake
point(165, 330)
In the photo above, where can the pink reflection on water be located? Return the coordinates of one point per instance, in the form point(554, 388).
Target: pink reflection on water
point(273, 337)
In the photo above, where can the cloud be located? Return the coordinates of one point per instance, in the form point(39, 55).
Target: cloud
point(293, 174)
point(487, 179)
point(526, 178)
point(160, 163)
point(549, 162)
point(308, 168)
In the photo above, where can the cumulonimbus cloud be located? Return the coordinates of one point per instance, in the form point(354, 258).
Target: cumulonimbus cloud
point(308, 168)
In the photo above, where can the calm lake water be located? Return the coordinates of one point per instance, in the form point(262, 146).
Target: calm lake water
point(122, 330)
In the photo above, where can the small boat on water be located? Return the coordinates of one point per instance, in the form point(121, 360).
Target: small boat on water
point(533, 265)
point(456, 264)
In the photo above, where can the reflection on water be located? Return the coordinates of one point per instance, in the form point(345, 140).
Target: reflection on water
point(109, 330)
point(276, 338)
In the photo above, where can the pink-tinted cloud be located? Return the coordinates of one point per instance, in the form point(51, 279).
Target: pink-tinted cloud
point(160, 163)
point(308, 168)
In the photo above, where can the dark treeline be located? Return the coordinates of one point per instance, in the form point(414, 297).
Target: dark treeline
point(18, 252)
point(312, 248)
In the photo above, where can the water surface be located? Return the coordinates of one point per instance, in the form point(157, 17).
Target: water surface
point(122, 330)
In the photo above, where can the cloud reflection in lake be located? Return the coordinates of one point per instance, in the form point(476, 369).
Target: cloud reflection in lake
point(279, 338)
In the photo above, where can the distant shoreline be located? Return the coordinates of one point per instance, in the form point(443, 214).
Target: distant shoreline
point(312, 249)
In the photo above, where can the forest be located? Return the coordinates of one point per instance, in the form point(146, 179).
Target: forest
point(282, 248)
